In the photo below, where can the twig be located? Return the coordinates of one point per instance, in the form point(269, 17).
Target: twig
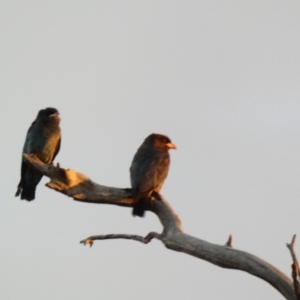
point(145, 240)
point(295, 267)
point(229, 241)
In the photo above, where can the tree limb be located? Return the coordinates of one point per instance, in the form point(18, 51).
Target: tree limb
point(81, 188)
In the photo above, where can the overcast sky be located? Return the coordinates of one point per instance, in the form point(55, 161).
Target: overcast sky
point(220, 78)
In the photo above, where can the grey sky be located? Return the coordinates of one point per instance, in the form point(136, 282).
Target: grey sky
point(220, 78)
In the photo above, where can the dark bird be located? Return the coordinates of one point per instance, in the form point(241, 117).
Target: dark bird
point(43, 140)
point(149, 170)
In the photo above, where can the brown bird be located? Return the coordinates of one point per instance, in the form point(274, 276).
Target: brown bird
point(42, 139)
point(149, 169)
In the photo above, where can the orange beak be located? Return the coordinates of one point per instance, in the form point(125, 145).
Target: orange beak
point(171, 146)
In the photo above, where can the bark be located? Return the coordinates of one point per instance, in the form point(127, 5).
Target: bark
point(83, 189)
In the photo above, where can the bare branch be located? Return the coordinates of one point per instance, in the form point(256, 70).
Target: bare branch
point(295, 267)
point(145, 240)
point(291, 247)
point(81, 188)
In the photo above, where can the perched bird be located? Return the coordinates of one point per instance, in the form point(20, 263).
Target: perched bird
point(43, 140)
point(149, 169)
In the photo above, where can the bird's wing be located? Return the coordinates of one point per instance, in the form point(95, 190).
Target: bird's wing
point(151, 174)
point(56, 149)
point(28, 139)
point(26, 149)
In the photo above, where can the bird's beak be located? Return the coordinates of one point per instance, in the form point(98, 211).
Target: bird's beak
point(171, 146)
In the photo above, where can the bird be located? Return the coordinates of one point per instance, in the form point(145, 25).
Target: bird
point(43, 139)
point(149, 169)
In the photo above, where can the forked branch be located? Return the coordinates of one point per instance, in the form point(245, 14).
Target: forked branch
point(295, 267)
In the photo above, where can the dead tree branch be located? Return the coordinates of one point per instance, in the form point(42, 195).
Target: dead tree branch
point(81, 188)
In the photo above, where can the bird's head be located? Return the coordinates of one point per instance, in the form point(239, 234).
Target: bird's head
point(159, 141)
point(48, 114)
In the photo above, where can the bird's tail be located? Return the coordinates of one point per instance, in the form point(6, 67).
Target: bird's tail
point(138, 209)
point(27, 192)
